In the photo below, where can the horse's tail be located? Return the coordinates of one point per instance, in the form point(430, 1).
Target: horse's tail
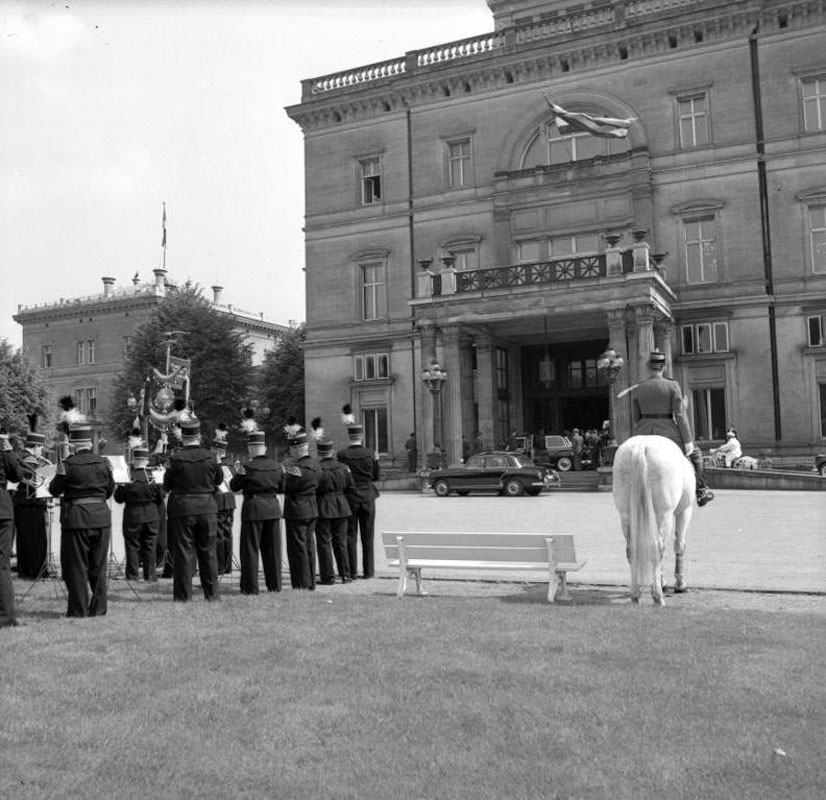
point(644, 535)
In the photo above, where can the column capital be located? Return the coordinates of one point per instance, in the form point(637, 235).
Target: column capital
point(645, 313)
point(451, 331)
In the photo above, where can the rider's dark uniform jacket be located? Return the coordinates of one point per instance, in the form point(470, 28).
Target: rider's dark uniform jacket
point(657, 408)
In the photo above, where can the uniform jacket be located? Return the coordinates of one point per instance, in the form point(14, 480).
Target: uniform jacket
point(301, 479)
point(85, 486)
point(660, 396)
point(142, 498)
point(261, 482)
point(9, 471)
point(365, 468)
point(225, 500)
point(192, 476)
point(336, 479)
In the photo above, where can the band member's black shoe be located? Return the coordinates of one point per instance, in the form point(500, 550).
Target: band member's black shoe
point(704, 495)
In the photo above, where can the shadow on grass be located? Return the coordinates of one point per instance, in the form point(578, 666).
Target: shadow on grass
point(580, 596)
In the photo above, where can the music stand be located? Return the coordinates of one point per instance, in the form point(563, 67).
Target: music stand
point(49, 570)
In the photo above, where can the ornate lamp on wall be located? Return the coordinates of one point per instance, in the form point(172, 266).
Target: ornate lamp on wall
point(434, 379)
point(609, 365)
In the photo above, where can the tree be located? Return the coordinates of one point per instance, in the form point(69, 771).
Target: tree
point(222, 376)
point(281, 385)
point(22, 391)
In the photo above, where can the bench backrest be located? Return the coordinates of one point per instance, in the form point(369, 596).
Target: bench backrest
point(452, 546)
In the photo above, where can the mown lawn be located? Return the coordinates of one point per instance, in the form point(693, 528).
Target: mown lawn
point(478, 691)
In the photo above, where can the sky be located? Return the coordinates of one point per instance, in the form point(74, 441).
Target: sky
point(110, 109)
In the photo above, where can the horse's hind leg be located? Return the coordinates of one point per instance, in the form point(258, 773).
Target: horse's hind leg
point(663, 529)
point(626, 532)
point(683, 518)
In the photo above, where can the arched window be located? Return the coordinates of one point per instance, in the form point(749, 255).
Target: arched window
point(548, 146)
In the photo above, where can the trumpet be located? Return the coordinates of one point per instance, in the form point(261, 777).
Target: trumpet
point(30, 467)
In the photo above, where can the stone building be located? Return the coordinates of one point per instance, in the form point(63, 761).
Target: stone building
point(449, 217)
point(79, 343)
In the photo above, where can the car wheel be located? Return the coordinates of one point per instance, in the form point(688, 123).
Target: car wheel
point(513, 488)
point(823, 469)
point(442, 488)
point(463, 493)
point(564, 464)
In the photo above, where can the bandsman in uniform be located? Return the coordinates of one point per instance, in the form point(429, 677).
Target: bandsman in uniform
point(333, 514)
point(301, 478)
point(142, 500)
point(30, 510)
point(192, 476)
point(9, 472)
point(84, 483)
point(658, 408)
point(261, 479)
point(364, 466)
point(225, 497)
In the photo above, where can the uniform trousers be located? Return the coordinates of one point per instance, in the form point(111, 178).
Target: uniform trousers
point(193, 536)
point(30, 522)
point(301, 552)
point(260, 536)
point(140, 541)
point(83, 556)
point(331, 539)
point(362, 519)
point(7, 613)
point(224, 544)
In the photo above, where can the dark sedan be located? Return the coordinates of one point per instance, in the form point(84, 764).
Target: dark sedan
point(820, 464)
point(510, 474)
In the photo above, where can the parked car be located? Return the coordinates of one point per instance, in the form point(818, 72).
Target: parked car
point(511, 474)
point(820, 464)
point(552, 451)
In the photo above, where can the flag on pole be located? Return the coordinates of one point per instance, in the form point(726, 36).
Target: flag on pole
point(586, 123)
point(163, 223)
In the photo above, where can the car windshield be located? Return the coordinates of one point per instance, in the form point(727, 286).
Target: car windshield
point(522, 461)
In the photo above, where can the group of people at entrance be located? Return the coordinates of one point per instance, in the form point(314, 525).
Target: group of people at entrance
point(329, 504)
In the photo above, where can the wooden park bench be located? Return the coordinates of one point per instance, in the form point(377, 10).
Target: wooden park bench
point(413, 552)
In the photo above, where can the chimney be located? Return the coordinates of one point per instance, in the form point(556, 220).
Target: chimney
point(216, 294)
point(160, 276)
point(108, 283)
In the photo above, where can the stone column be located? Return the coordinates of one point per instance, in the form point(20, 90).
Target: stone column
point(644, 317)
point(466, 357)
point(452, 394)
point(486, 399)
point(427, 350)
point(663, 330)
point(622, 405)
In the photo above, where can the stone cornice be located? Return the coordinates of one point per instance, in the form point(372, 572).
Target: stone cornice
point(604, 37)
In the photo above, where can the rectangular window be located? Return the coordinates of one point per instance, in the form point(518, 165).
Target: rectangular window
point(693, 119)
point(817, 228)
point(375, 429)
point(90, 351)
point(370, 175)
point(372, 291)
point(370, 366)
point(563, 246)
point(459, 164)
point(466, 258)
point(816, 331)
point(46, 356)
point(709, 413)
point(528, 252)
point(81, 352)
point(822, 392)
point(701, 250)
point(502, 383)
point(91, 401)
point(705, 337)
point(814, 104)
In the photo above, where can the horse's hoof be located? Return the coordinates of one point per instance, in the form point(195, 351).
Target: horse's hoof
point(635, 600)
point(680, 589)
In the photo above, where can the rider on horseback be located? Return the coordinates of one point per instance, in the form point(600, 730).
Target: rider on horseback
point(658, 408)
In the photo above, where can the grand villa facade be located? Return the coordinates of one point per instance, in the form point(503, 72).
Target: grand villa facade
point(450, 219)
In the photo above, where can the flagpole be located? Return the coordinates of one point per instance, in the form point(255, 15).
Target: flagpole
point(163, 239)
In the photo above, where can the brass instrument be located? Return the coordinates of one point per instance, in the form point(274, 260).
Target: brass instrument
point(31, 466)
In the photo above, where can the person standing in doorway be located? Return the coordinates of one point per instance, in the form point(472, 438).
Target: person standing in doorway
point(412, 453)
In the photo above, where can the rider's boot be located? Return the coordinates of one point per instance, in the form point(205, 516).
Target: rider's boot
point(704, 494)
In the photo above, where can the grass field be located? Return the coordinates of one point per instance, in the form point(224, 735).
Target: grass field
point(481, 690)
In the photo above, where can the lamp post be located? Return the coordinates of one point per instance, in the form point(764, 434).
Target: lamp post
point(434, 379)
point(609, 365)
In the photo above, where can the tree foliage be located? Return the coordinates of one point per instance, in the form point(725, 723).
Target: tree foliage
point(281, 386)
point(22, 391)
point(222, 377)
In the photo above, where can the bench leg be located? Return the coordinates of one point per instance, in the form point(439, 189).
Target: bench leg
point(417, 574)
point(562, 591)
point(553, 585)
point(402, 587)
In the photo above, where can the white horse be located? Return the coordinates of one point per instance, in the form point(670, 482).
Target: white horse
point(653, 489)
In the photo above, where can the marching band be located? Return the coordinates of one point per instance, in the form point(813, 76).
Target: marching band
point(330, 494)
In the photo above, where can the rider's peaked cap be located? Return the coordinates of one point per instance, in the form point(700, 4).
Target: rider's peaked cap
point(656, 358)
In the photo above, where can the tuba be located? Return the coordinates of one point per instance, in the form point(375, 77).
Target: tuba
point(31, 466)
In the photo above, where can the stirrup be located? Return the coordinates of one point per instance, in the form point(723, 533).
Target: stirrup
point(704, 496)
